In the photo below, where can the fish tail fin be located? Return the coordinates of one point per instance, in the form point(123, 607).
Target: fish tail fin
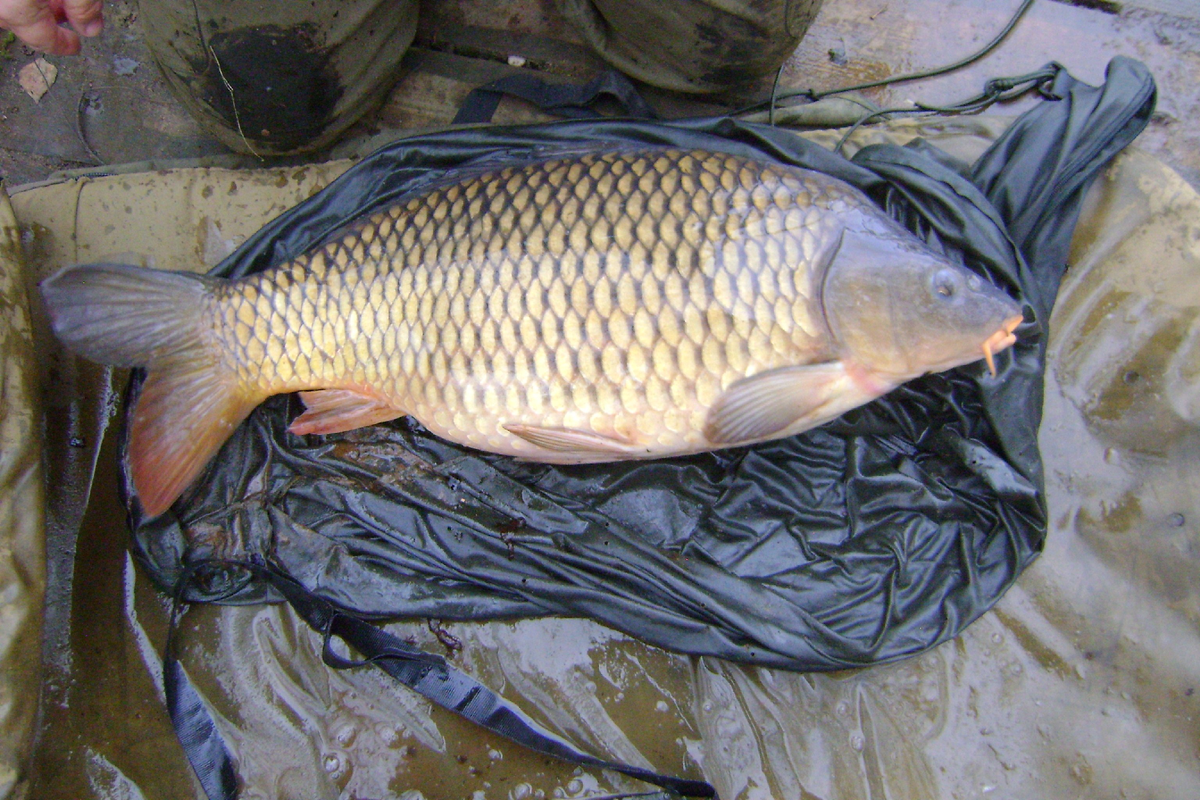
point(190, 402)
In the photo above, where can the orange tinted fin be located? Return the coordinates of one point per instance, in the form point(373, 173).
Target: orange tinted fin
point(765, 404)
point(571, 442)
point(127, 316)
point(337, 410)
point(185, 413)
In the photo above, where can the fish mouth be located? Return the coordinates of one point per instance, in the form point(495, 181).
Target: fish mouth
point(1002, 338)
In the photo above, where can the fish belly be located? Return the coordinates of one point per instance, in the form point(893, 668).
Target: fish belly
point(603, 300)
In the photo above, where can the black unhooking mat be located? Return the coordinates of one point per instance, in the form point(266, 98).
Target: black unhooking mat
point(867, 540)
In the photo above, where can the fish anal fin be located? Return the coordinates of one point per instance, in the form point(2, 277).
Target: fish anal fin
point(571, 442)
point(338, 410)
point(768, 403)
point(184, 413)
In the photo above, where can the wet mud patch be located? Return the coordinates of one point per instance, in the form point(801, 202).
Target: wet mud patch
point(274, 85)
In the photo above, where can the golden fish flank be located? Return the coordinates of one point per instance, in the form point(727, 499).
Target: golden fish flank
point(610, 306)
point(552, 296)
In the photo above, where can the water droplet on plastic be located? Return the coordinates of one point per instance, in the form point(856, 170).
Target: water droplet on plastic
point(522, 791)
point(495, 755)
point(997, 638)
point(842, 709)
point(334, 764)
point(857, 743)
point(662, 706)
point(1176, 520)
point(345, 735)
point(574, 786)
point(708, 706)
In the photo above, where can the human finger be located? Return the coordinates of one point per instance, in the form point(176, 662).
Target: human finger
point(85, 16)
point(34, 24)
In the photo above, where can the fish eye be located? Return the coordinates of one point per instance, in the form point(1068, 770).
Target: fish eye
point(945, 284)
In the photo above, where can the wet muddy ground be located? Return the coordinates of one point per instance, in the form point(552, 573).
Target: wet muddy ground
point(110, 105)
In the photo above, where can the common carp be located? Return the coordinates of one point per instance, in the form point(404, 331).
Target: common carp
point(584, 308)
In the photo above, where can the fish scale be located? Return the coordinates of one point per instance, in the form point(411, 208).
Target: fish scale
point(592, 307)
point(597, 293)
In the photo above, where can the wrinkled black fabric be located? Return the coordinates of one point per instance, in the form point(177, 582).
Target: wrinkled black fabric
point(564, 100)
point(869, 539)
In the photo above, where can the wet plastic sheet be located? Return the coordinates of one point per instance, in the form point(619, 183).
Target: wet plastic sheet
point(868, 540)
point(1083, 680)
point(22, 519)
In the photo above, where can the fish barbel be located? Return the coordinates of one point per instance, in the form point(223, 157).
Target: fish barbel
point(615, 305)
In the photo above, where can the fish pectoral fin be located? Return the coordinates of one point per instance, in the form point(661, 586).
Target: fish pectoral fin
point(337, 410)
point(570, 441)
point(765, 404)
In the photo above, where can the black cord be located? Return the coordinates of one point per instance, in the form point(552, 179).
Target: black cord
point(931, 73)
point(996, 90)
point(774, 97)
point(814, 95)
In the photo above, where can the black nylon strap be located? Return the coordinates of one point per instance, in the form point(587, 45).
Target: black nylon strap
point(431, 677)
point(565, 100)
point(198, 734)
point(194, 727)
point(425, 673)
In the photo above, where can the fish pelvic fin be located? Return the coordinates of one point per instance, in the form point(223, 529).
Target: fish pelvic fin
point(190, 402)
point(578, 445)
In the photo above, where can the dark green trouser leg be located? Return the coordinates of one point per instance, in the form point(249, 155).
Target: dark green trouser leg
point(693, 45)
point(276, 78)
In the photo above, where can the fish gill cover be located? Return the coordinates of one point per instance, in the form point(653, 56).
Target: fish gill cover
point(869, 539)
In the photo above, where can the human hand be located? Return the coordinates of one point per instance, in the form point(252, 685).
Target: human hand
point(36, 22)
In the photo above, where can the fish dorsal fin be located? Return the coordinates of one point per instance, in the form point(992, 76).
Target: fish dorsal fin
point(572, 442)
point(337, 410)
point(765, 404)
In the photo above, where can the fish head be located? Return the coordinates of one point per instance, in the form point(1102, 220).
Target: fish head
point(898, 309)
